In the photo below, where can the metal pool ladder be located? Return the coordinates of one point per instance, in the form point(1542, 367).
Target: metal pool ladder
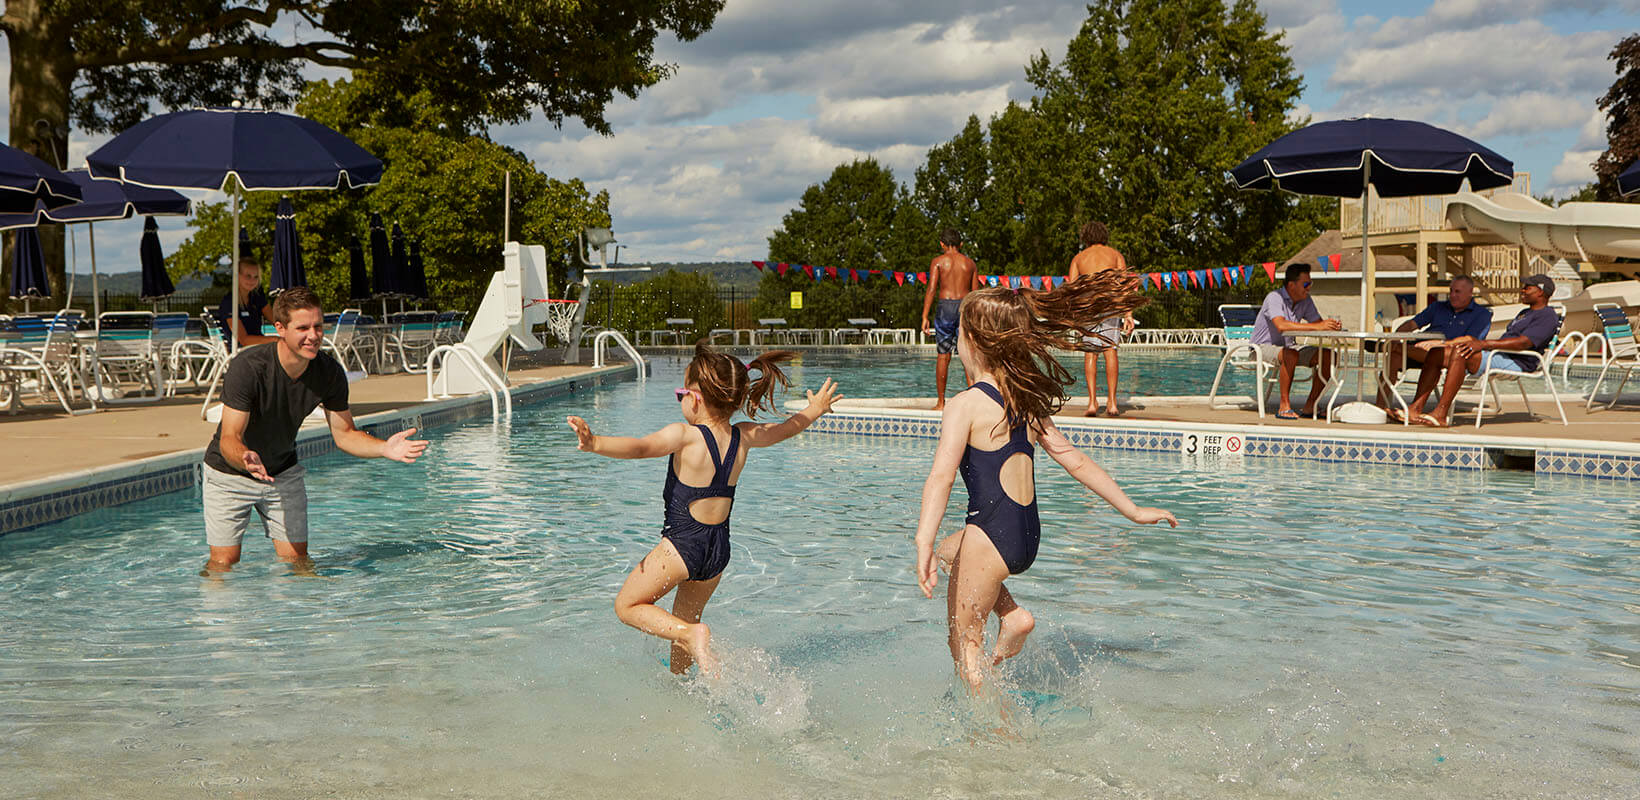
point(493, 385)
point(631, 352)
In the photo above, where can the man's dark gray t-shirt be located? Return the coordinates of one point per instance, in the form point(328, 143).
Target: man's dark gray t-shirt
point(257, 384)
point(1538, 325)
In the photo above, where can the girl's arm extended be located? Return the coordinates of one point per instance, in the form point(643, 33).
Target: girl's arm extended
point(666, 441)
point(1092, 476)
point(936, 493)
point(768, 433)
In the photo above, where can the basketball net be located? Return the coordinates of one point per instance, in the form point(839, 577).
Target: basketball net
point(561, 317)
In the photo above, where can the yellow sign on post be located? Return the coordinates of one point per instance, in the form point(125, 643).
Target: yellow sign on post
point(797, 300)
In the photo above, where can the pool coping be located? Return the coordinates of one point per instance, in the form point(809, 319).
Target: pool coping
point(29, 504)
point(1447, 450)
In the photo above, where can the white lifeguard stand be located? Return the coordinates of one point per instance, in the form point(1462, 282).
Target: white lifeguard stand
point(513, 305)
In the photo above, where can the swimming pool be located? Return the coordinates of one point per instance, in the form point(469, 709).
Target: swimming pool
point(1144, 372)
point(1301, 635)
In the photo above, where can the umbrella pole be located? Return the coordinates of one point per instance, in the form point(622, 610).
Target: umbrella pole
point(232, 323)
point(96, 309)
point(73, 267)
point(1368, 274)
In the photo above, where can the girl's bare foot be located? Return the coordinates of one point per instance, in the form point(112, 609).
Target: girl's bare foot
point(699, 644)
point(1011, 635)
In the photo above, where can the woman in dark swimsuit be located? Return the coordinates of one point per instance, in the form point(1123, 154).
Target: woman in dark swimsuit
point(705, 456)
point(989, 433)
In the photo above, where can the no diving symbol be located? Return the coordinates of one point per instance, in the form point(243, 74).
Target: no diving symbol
point(1232, 444)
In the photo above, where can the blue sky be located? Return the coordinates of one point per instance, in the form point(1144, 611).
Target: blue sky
point(703, 166)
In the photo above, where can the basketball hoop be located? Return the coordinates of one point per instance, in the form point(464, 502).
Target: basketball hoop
point(560, 317)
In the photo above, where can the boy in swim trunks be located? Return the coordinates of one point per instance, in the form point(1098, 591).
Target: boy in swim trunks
point(1096, 257)
point(989, 433)
point(952, 275)
point(704, 460)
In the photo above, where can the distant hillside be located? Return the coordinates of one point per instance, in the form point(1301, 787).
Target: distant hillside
point(738, 274)
point(131, 283)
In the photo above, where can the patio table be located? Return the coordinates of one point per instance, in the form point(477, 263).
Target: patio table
point(1342, 341)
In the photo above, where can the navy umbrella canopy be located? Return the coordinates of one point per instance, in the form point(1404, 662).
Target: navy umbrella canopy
point(1400, 158)
point(401, 264)
point(156, 284)
point(102, 200)
point(26, 180)
point(1628, 181)
point(416, 271)
point(28, 267)
point(358, 276)
point(288, 271)
point(381, 259)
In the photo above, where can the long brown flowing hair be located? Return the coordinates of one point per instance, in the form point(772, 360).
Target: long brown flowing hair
point(1012, 334)
point(725, 385)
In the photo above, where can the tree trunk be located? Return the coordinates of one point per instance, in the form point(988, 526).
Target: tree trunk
point(42, 74)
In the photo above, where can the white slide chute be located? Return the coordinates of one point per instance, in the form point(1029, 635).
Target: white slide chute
point(512, 306)
point(1597, 233)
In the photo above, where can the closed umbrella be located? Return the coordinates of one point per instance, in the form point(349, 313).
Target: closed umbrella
point(234, 150)
point(401, 266)
point(288, 271)
point(417, 272)
point(156, 283)
point(381, 263)
point(1628, 181)
point(358, 276)
point(26, 181)
point(1399, 158)
point(28, 268)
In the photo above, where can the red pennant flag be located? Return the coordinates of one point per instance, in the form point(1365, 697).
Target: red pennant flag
point(1270, 269)
point(781, 268)
point(759, 265)
point(1195, 278)
point(899, 277)
point(1337, 260)
point(1155, 279)
point(831, 272)
point(808, 270)
point(922, 278)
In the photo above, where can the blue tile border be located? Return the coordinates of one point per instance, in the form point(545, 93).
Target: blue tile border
point(1319, 447)
point(175, 472)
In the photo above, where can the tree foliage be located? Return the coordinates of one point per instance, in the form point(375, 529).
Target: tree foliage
point(1622, 106)
point(444, 187)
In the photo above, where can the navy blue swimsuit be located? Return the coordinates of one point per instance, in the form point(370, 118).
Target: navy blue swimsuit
point(1014, 529)
point(704, 548)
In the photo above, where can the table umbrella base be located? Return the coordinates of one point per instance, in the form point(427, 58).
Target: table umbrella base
point(1360, 413)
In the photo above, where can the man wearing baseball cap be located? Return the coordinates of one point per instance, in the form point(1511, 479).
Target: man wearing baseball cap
point(1531, 331)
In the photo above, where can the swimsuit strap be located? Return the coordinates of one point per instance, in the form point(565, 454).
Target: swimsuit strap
point(1017, 437)
point(721, 477)
point(711, 448)
point(990, 391)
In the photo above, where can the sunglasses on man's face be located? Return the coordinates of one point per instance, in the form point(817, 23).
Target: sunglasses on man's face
point(1305, 284)
point(681, 393)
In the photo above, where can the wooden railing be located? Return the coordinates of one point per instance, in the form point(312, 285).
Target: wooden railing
point(1401, 214)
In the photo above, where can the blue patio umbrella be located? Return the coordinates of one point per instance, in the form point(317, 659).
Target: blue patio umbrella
point(416, 272)
point(1399, 158)
point(26, 181)
point(1628, 181)
point(234, 150)
point(28, 268)
point(288, 271)
point(381, 261)
point(156, 283)
point(358, 276)
point(401, 266)
point(100, 201)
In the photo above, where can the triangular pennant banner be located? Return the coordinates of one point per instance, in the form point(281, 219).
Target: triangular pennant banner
point(759, 265)
point(1322, 262)
point(899, 277)
point(831, 272)
point(781, 268)
point(1167, 280)
point(1270, 269)
point(990, 280)
point(1058, 281)
point(1337, 260)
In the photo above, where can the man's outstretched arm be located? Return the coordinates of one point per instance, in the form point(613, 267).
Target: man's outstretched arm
point(354, 442)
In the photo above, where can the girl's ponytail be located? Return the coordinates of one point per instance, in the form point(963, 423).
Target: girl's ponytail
point(725, 386)
point(770, 379)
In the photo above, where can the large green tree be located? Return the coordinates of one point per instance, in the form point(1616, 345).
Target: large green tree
point(442, 185)
point(101, 65)
point(1622, 106)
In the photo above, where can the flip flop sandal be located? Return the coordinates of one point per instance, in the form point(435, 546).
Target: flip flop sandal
point(1289, 414)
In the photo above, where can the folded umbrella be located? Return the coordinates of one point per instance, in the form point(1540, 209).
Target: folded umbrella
point(156, 283)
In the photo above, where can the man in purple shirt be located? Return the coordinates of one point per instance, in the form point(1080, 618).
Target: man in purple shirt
point(1285, 310)
point(1531, 331)
point(1457, 317)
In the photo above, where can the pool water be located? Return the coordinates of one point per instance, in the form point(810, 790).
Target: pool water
point(1142, 373)
point(1309, 631)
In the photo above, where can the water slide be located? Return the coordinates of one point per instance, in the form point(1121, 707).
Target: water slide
point(1598, 233)
point(511, 307)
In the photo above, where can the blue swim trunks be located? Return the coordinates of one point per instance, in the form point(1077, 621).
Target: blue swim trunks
point(946, 315)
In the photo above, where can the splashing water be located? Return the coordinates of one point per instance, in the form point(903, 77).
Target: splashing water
point(751, 688)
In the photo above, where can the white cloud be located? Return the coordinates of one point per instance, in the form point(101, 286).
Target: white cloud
point(1531, 112)
point(1495, 59)
point(1574, 170)
point(919, 119)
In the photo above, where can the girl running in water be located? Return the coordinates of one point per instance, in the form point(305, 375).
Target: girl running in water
point(704, 459)
point(989, 432)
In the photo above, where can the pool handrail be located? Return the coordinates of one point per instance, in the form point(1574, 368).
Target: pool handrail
point(631, 352)
point(494, 386)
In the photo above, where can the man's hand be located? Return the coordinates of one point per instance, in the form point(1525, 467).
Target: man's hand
point(400, 447)
point(254, 465)
point(926, 329)
point(583, 434)
point(818, 401)
point(1331, 325)
point(1128, 324)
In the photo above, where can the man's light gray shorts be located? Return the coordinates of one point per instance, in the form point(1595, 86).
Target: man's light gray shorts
point(230, 498)
point(1272, 353)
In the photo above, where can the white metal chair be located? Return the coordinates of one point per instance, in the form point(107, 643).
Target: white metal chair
point(413, 339)
point(1621, 349)
point(771, 328)
point(44, 353)
point(1488, 376)
point(343, 337)
point(219, 359)
point(125, 351)
point(1241, 353)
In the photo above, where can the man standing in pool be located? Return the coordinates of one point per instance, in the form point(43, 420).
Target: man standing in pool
point(251, 462)
point(953, 275)
point(1097, 256)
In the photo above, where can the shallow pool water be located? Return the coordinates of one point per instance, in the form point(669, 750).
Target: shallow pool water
point(1311, 630)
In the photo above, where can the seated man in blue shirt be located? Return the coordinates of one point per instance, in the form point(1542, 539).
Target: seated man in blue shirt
point(1456, 317)
point(1531, 330)
point(1286, 310)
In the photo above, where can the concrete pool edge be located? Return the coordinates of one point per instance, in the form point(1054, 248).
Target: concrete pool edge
point(30, 504)
point(1546, 455)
